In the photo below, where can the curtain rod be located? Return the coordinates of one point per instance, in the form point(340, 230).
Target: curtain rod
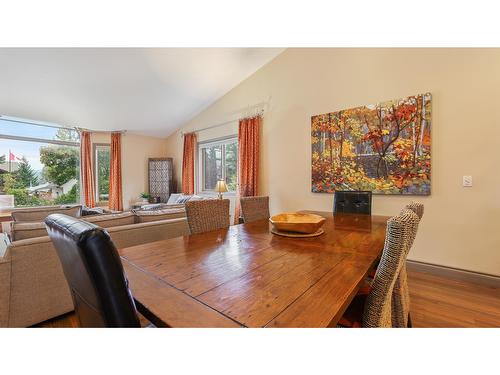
point(258, 113)
point(209, 127)
point(100, 131)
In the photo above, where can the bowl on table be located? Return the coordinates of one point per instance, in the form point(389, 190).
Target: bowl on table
point(296, 222)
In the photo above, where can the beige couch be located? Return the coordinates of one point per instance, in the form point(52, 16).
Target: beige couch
point(40, 213)
point(22, 230)
point(32, 284)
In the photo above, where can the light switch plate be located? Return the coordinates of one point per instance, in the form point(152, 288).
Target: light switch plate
point(467, 181)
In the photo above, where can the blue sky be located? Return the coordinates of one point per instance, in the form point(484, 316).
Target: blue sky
point(20, 149)
point(31, 150)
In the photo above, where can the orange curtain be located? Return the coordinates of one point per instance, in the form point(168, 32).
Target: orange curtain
point(188, 157)
point(115, 173)
point(87, 172)
point(248, 159)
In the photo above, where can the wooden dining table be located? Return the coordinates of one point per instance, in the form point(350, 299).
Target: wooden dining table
point(246, 276)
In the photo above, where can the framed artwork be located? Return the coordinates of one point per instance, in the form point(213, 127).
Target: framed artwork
point(384, 148)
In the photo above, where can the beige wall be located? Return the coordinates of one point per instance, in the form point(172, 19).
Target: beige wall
point(461, 226)
point(136, 150)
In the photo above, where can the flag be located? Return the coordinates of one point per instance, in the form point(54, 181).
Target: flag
point(12, 157)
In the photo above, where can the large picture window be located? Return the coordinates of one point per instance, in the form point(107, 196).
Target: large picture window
point(39, 164)
point(218, 161)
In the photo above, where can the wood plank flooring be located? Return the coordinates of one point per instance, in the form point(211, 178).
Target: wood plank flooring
point(435, 302)
point(443, 302)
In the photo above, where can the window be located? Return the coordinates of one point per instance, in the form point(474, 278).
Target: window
point(218, 161)
point(102, 154)
point(39, 164)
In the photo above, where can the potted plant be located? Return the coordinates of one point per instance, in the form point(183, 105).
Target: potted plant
point(145, 197)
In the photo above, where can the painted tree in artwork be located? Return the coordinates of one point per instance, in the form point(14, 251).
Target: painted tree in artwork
point(384, 148)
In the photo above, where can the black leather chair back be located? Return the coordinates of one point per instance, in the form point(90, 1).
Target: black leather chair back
point(353, 202)
point(94, 273)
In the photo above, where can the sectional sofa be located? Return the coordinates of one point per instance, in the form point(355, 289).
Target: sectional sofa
point(32, 284)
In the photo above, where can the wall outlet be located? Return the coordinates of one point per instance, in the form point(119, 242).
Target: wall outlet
point(467, 181)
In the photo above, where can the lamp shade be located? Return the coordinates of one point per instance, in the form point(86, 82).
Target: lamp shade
point(221, 186)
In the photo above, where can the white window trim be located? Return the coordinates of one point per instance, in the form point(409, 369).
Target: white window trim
point(199, 177)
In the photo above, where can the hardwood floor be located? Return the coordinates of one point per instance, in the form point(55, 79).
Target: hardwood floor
point(64, 321)
point(435, 302)
point(443, 302)
point(69, 320)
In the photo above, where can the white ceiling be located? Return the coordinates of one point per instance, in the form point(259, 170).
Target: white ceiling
point(142, 90)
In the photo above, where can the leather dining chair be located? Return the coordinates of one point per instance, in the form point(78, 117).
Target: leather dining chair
point(353, 202)
point(94, 273)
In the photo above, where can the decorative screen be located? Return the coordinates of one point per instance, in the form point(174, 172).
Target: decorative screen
point(160, 178)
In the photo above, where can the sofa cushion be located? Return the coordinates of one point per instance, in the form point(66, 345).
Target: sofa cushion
point(132, 235)
point(33, 215)
point(113, 220)
point(183, 199)
point(153, 206)
point(4, 243)
point(156, 215)
point(38, 289)
point(87, 211)
point(173, 198)
point(196, 198)
point(23, 231)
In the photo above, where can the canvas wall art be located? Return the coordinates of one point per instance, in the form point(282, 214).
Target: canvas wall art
point(384, 148)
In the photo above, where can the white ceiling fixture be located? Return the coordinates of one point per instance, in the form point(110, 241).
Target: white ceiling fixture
point(150, 91)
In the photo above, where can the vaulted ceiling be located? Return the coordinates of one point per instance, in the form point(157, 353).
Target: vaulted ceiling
point(150, 91)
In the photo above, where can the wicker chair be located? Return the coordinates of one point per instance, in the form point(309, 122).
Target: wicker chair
point(416, 207)
point(374, 309)
point(401, 295)
point(254, 208)
point(207, 215)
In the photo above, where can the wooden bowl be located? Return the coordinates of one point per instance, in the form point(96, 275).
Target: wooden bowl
point(297, 222)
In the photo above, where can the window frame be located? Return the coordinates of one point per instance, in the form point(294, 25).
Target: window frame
point(96, 147)
point(201, 176)
point(36, 139)
point(46, 141)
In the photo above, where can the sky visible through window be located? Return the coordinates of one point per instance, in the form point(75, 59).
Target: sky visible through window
point(30, 150)
point(39, 164)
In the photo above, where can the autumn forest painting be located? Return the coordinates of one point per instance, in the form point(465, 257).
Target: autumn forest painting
point(384, 148)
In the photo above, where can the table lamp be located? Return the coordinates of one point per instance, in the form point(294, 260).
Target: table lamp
point(221, 187)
